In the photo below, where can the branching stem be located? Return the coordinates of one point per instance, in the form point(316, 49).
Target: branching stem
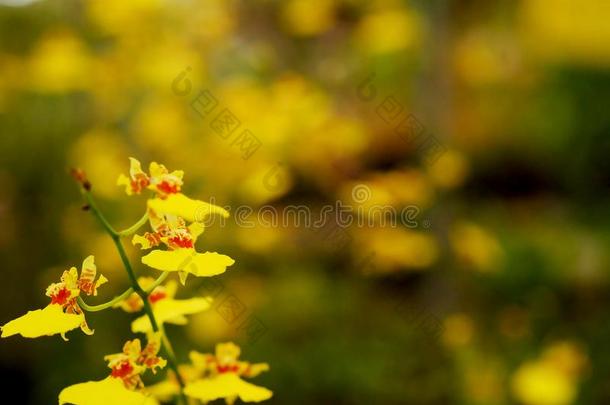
point(135, 286)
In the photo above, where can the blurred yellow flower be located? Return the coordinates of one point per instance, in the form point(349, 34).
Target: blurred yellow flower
point(217, 376)
point(476, 247)
point(60, 63)
point(539, 383)
point(567, 357)
point(159, 126)
point(100, 153)
point(396, 188)
point(120, 17)
point(568, 31)
point(449, 171)
point(485, 58)
point(396, 248)
point(551, 379)
point(266, 183)
point(217, 16)
point(301, 18)
point(458, 331)
point(388, 31)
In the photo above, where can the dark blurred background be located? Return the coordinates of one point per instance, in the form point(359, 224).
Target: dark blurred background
point(496, 293)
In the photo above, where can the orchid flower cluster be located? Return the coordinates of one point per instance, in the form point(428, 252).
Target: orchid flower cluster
point(176, 222)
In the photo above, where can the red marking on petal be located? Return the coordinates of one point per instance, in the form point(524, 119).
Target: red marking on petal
point(168, 188)
point(86, 286)
point(61, 297)
point(227, 369)
point(181, 242)
point(156, 296)
point(153, 238)
point(139, 182)
point(122, 370)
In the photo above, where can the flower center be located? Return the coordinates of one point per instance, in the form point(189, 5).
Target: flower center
point(123, 370)
point(227, 368)
point(139, 183)
point(156, 296)
point(168, 188)
point(181, 242)
point(61, 296)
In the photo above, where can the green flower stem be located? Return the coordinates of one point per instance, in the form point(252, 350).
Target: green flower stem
point(106, 305)
point(97, 213)
point(134, 228)
point(170, 350)
point(116, 238)
point(122, 297)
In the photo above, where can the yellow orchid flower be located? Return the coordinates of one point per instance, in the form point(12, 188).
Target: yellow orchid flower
point(169, 230)
point(222, 374)
point(187, 261)
point(172, 231)
point(165, 308)
point(107, 391)
point(228, 386)
point(133, 361)
point(216, 376)
point(160, 180)
point(167, 187)
point(63, 313)
point(124, 385)
point(226, 360)
point(191, 210)
point(171, 311)
point(48, 321)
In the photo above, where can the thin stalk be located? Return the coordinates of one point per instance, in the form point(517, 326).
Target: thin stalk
point(116, 238)
point(134, 228)
point(122, 297)
point(105, 305)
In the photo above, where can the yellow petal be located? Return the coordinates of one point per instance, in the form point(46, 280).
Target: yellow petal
point(48, 321)
point(199, 264)
point(88, 273)
point(180, 320)
point(135, 167)
point(183, 275)
point(182, 206)
point(135, 172)
point(169, 310)
point(196, 229)
point(227, 352)
point(101, 280)
point(157, 170)
point(256, 369)
point(164, 390)
point(226, 386)
point(107, 391)
point(126, 182)
point(142, 241)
